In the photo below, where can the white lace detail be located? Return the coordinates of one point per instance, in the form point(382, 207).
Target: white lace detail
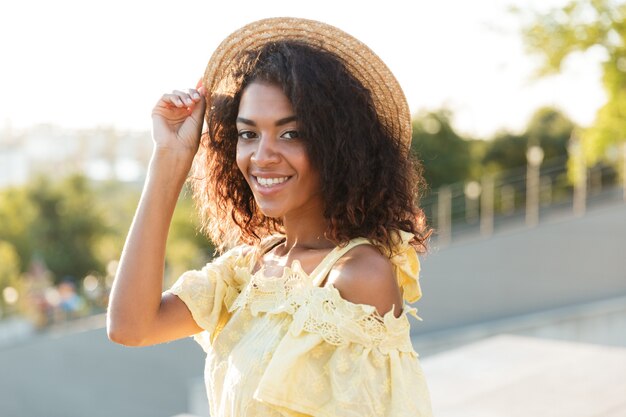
point(324, 312)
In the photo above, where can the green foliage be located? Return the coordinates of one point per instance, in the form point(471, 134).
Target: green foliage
point(17, 216)
point(9, 265)
point(76, 227)
point(449, 158)
point(67, 227)
point(550, 129)
point(445, 155)
point(9, 272)
point(577, 27)
point(505, 151)
point(547, 128)
point(59, 222)
point(118, 201)
point(186, 247)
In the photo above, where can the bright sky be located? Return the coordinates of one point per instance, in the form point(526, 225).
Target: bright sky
point(86, 63)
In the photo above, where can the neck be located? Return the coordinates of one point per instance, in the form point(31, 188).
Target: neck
point(306, 230)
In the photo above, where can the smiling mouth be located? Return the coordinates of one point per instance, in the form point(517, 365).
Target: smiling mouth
point(270, 182)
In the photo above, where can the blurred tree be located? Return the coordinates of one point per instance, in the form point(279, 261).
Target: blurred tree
point(67, 227)
point(17, 215)
point(187, 248)
point(9, 264)
point(449, 158)
point(445, 155)
point(9, 274)
point(118, 201)
point(548, 128)
point(577, 27)
point(76, 227)
point(504, 152)
point(186, 223)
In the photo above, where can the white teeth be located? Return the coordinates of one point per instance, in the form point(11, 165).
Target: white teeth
point(268, 182)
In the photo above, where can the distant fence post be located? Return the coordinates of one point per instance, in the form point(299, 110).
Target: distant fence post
point(580, 188)
point(472, 191)
point(444, 216)
point(486, 206)
point(624, 171)
point(534, 157)
point(580, 175)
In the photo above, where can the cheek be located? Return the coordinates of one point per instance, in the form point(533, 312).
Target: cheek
point(316, 180)
point(241, 160)
point(313, 178)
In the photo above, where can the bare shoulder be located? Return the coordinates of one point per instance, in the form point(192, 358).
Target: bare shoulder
point(365, 276)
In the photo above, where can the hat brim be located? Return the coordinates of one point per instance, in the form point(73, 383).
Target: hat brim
point(387, 95)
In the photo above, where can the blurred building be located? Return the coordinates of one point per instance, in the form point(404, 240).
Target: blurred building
point(99, 153)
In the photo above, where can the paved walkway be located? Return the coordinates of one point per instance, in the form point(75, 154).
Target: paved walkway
point(513, 376)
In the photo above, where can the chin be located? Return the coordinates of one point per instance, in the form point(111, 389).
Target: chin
point(271, 213)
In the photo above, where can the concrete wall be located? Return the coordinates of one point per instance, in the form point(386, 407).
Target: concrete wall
point(79, 372)
point(600, 322)
point(562, 263)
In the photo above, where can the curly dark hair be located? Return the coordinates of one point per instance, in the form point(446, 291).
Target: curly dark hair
point(370, 183)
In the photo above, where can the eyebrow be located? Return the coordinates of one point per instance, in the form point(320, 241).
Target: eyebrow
point(279, 122)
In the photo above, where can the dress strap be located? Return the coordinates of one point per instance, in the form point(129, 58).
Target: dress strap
point(270, 243)
point(319, 273)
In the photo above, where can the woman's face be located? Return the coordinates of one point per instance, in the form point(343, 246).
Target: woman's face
point(272, 156)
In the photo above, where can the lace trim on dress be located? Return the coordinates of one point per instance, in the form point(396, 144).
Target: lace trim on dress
point(217, 284)
point(323, 311)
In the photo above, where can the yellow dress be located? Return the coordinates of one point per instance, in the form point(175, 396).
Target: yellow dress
point(284, 346)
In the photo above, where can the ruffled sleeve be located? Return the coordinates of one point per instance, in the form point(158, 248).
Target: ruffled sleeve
point(209, 292)
point(407, 266)
point(342, 359)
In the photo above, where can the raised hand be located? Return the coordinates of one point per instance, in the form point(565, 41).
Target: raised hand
point(177, 121)
point(137, 314)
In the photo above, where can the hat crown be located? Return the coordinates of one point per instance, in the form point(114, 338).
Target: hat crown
point(387, 95)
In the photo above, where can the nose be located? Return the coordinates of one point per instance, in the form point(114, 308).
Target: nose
point(265, 153)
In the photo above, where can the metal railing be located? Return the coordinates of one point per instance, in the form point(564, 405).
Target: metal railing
point(522, 196)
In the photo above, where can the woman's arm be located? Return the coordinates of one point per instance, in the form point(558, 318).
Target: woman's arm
point(138, 314)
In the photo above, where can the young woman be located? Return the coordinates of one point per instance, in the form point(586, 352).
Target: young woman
point(304, 173)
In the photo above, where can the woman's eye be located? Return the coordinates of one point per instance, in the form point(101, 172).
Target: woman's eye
point(246, 134)
point(292, 134)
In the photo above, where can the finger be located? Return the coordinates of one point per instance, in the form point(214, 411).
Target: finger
point(194, 94)
point(184, 97)
point(173, 99)
point(197, 112)
point(198, 109)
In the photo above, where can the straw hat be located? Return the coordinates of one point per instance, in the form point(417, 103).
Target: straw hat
point(361, 61)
